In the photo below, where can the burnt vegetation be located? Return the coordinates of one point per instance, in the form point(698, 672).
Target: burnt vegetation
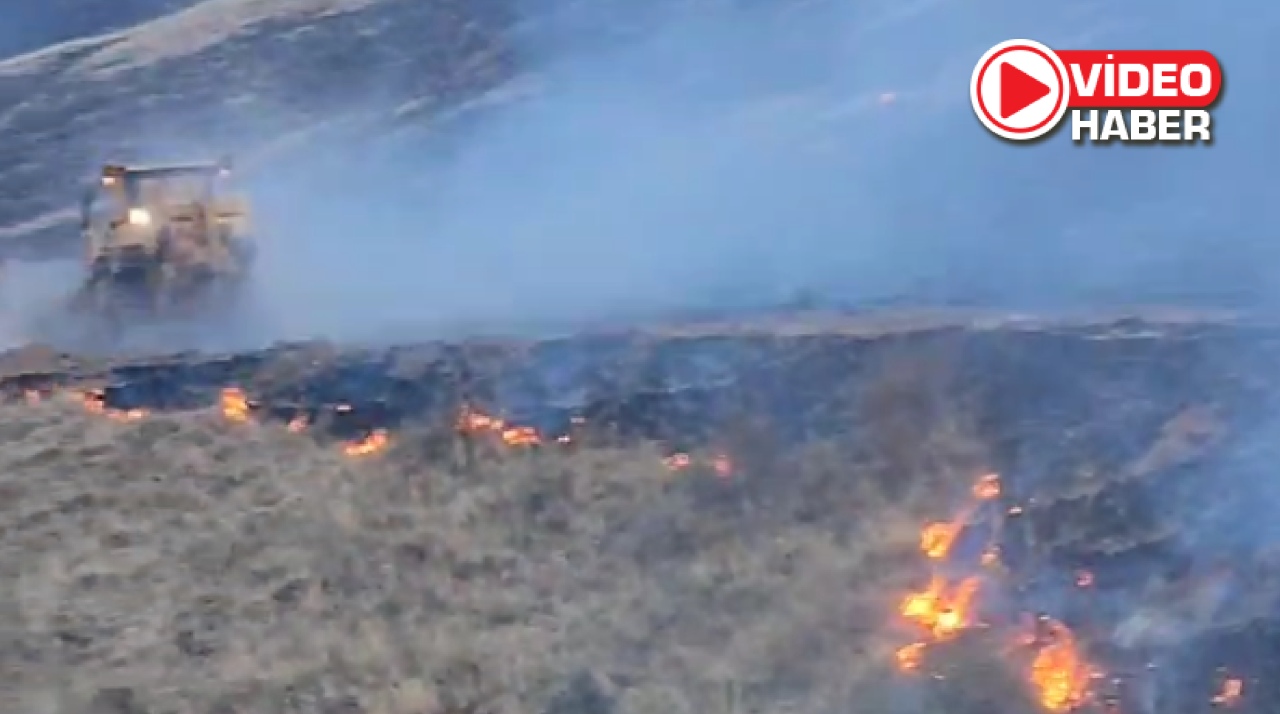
point(816, 516)
point(719, 520)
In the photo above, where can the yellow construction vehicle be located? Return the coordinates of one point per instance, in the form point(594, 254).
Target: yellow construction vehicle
point(162, 240)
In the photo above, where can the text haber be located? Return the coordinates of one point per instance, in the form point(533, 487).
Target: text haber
point(1142, 95)
point(1021, 90)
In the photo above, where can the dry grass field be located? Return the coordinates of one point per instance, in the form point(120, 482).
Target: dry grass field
point(186, 563)
point(981, 521)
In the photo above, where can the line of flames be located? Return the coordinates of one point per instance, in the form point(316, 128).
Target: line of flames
point(1059, 673)
point(235, 406)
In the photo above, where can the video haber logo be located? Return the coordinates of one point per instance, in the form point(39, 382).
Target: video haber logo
point(1021, 90)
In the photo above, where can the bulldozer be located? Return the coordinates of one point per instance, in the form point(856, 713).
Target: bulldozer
point(163, 241)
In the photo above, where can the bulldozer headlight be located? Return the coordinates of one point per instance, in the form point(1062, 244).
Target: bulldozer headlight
point(139, 217)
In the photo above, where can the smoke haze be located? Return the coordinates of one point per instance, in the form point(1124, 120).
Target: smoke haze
point(656, 157)
point(715, 155)
point(737, 154)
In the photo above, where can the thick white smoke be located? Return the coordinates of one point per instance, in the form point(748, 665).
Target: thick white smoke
point(739, 153)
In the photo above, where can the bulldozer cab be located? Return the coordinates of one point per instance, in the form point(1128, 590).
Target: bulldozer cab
point(162, 237)
point(188, 213)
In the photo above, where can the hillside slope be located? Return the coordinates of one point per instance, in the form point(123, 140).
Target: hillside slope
point(186, 564)
point(931, 514)
point(223, 75)
point(35, 26)
point(735, 514)
point(840, 134)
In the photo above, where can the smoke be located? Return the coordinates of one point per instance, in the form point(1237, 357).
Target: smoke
point(659, 157)
point(655, 157)
point(736, 154)
point(30, 295)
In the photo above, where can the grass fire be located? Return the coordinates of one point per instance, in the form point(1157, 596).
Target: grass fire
point(685, 548)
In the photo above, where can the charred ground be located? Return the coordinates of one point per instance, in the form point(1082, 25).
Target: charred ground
point(722, 518)
point(187, 562)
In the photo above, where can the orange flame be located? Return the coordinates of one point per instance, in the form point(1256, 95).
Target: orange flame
point(521, 436)
point(937, 538)
point(941, 609)
point(987, 488)
point(234, 404)
point(991, 556)
point(1059, 672)
point(95, 402)
point(1230, 693)
point(721, 464)
point(910, 656)
point(677, 462)
point(473, 420)
point(376, 441)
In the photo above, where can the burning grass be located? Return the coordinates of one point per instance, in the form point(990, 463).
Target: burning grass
point(1056, 669)
point(208, 561)
point(201, 560)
